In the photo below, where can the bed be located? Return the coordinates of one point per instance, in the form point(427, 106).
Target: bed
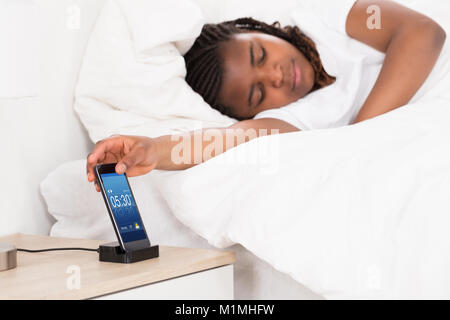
point(272, 260)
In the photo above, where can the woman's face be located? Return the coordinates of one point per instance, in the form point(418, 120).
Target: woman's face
point(262, 72)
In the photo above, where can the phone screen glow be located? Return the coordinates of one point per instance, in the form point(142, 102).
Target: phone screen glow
point(123, 207)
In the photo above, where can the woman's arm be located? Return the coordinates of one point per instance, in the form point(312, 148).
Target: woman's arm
point(139, 155)
point(412, 43)
point(177, 152)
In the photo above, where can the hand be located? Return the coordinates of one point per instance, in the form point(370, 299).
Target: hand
point(134, 155)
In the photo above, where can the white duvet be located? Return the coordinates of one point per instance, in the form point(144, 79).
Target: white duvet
point(356, 212)
point(361, 211)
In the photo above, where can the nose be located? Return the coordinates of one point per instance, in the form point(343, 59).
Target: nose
point(272, 76)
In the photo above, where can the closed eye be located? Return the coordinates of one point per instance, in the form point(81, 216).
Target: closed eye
point(263, 94)
point(260, 86)
point(263, 56)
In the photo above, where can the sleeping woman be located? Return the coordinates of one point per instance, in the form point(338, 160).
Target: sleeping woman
point(277, 80)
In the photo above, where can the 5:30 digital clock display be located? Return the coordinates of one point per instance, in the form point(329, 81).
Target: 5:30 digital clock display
point(125, 200)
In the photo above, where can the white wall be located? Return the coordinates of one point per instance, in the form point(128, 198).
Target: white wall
point(41, 132)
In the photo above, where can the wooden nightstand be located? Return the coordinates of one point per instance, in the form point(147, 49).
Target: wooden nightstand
point(179, 273)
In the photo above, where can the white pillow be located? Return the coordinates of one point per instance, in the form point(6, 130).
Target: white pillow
point(132, 77)
point(263, 10)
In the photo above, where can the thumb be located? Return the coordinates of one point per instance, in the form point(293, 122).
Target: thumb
point(133, 158)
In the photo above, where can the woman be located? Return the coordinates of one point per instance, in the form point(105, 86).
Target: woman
point(253, 72)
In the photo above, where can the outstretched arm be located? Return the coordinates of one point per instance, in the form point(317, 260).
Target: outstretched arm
point(138, 155)
point(412, 43)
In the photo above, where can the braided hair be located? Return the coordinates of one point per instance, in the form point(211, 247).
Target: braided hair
point(204, 65)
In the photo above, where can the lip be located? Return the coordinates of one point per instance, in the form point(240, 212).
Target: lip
point(296, 75)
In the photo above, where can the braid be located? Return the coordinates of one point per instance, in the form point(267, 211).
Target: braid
point(204, 65)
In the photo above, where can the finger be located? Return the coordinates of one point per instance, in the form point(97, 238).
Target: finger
point(91, 162)
point(97, 187)
point(99, 153)
point(90, 172)
point(139, 171)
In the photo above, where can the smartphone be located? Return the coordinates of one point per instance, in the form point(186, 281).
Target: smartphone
point(122, 208)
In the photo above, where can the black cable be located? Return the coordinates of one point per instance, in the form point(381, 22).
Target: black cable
point(55, 249)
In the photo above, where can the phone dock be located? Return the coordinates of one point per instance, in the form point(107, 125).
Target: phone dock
point(112, 252)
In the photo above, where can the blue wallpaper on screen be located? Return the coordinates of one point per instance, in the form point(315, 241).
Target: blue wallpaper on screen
point(123, 206)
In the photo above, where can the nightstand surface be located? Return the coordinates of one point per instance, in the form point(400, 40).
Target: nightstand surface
point(49, 275)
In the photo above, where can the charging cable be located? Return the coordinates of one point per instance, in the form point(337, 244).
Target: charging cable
point(56, 249)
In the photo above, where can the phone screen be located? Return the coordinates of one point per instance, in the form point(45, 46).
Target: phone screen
point(123, 207)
